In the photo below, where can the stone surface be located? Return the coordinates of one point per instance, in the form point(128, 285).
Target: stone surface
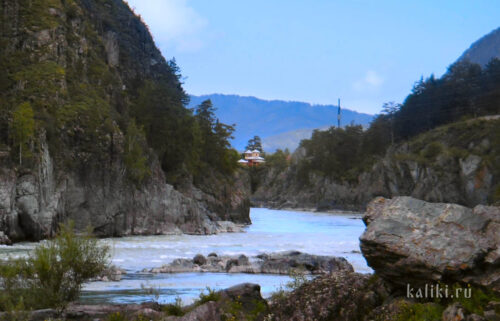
point(338, 296)
point(274, 263)
point(454, 312)
point(33, 202)
point(199, 259)
point(411, 241)
point(240, 302)
point(111, 274)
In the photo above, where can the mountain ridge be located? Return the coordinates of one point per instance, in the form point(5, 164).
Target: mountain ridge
point(484, 49)
point(269, 118)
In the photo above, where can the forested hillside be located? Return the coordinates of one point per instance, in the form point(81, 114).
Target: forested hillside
point(87, 101)
point(404, 149)
point(465, 91)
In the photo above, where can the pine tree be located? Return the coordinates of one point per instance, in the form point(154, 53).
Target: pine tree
point(136, 160)
point(254, 143)
point(23, 127)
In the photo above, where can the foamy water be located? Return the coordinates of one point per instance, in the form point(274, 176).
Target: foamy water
point(271, 231)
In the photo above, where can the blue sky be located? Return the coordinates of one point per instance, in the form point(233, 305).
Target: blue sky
point(365, 52)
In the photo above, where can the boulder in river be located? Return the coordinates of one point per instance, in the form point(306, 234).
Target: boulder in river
point(409, 241)
point(273, 263)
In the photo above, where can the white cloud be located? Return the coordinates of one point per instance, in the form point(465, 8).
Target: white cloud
point(173, 23)
point(371, 81)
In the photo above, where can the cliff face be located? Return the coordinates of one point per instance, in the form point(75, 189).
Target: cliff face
point(80, 65)
point(457, 163)
point(33, 202)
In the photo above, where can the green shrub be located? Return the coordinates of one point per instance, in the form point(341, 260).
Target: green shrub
point(478, 300)
point(212, 295)
point(53, 274)
point(174, 309)
point(36, 14)
point(279, 295)
point(432, 150)
point(420, 312)
point(458, 152)
point(298, 279)
point(135, 158)
point(255, 313)
point(117, 316)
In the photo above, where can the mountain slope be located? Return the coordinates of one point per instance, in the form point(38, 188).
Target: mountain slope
point(483, 50)
point(455, 163)
point(265, 118)
point(92, 124)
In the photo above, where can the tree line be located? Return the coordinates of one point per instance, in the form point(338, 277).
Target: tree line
point(90, 112)
point(465, 91)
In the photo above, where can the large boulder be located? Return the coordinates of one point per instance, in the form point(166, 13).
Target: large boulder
point(340, 296)
point(409, 241)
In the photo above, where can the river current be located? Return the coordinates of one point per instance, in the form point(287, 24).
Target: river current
point(270, 231)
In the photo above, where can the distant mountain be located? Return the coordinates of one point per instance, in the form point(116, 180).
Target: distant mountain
point(483, 50)
point(279, 123)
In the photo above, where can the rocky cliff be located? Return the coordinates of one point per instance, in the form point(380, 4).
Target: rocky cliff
point(34, 201)
point(80, 66)
point(457, 163)
point(483, 50)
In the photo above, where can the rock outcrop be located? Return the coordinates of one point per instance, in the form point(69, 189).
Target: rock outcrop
point(32, 203)
point(409, 241)
point(79, 66)
point(240, 302)
point(338, 296)
point(273, 263)
point(359, 297)
point(483, 50)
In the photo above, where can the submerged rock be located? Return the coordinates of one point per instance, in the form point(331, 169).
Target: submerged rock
point(4, 239)
point(273, 263)
point(113, 273)
point(409, 241)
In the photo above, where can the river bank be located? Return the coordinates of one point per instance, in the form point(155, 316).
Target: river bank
point(271, 231)
point(410, 244)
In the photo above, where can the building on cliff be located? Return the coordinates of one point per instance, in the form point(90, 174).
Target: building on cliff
point(252, 158)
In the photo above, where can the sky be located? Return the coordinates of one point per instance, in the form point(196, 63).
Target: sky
point(363, 52)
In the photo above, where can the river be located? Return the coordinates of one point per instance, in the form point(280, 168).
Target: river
point(270, 231)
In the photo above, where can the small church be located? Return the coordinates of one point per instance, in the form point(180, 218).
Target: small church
point(252, 158)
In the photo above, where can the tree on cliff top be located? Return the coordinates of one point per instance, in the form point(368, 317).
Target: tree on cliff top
point(215, 149)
